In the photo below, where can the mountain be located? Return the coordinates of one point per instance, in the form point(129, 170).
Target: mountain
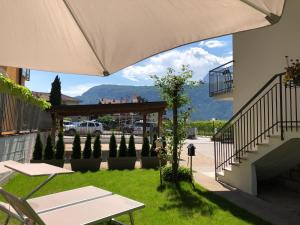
point(204, 107)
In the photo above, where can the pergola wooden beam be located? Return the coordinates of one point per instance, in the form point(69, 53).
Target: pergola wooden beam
point(103, 109)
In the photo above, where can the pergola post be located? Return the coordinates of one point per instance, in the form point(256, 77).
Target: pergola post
point(159, 125)
point(144, 124)
point(53, 129)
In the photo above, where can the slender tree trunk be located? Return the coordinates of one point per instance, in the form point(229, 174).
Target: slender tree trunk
point(175, 139)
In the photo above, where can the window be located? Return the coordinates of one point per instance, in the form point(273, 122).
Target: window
point(83, 124)
point(91, 125)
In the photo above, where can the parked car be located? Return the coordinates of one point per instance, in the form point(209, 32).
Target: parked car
point(83, 128)
point(68, 125)
point(138, 127)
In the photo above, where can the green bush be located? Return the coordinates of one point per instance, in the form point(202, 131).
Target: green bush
point(9, 87)
point(38, 148)
point(206, 127)
point(87, 150)
point(112, 146)
point(131, 147)
point(123, 147)
point(153, 151)
point(60, 146)
point(97, 147)
point(145, 147)
point(184, 174)
point(76, 149)
point(49, 152)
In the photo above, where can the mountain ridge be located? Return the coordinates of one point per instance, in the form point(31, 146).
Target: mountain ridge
point(204, 107)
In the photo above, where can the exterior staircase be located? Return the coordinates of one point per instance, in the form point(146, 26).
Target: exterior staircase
point(262, 140)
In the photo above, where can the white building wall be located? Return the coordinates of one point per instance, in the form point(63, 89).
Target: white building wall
point(260, 53)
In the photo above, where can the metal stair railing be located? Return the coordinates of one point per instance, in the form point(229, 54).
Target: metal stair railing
point(271, 111)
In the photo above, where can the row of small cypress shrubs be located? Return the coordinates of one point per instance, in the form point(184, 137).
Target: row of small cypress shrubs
point(50, 151)
point(123, 150)
point(87, 152)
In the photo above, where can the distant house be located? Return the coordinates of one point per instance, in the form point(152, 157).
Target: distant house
point(66, 100)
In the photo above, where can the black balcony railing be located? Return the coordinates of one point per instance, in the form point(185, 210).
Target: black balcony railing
point(19, 116)
point(221, 79)
point(273, 110)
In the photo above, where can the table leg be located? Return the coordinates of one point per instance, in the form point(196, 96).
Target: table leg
point(131, 218)
point(40, 186)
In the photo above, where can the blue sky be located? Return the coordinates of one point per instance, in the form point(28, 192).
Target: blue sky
point(200, 56)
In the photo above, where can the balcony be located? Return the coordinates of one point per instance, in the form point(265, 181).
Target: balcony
point(221, 81)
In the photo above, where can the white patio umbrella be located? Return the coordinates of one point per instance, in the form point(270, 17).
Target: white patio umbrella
point(100, 37)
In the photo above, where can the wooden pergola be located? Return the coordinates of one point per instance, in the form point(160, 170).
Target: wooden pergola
point(145, 108)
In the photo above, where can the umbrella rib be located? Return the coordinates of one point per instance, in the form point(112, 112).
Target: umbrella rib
point(272, 18)
point(105, 72)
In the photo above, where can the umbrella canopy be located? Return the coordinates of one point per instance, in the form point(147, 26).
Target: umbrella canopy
point(100, 37)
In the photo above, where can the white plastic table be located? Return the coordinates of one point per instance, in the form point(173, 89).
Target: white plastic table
point(36, 169)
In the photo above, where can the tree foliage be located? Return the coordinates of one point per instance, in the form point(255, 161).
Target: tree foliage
point(49, 151)
point(123, 147)
point(38, 148)
point(60, 146)
point(172, 88)
point(55, 93)
point(97, 147)
point(131, 147)
point(76, 149)
point(87, 150)
point(112, 146)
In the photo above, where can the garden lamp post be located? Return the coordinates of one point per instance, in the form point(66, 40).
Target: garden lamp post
point(191, 152)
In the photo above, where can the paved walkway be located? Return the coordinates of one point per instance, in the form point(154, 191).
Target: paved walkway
point(203, 167)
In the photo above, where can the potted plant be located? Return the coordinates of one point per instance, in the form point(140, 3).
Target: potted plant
point(38, 149)
point(149, 157)
point(97, 153)
point(76, 152)
point(48, 152)
point(124, 160)
point(60, 150)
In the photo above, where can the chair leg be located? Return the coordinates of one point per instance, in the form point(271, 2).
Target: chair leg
point(7, 220)
point(131, 219)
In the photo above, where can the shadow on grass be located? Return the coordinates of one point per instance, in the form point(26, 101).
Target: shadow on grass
point(186, 201)
point(191, 199)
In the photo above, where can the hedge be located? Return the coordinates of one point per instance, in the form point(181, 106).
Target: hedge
point(7, 86)
point(205, 127)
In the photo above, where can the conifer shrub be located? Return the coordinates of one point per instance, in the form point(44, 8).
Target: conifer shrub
point(97, 147)
point(145, 147)
point(123, 147)
point(76, 149)
point(112, 146)
point(38, 148)
point(153, 146)
point(131, 147)
point(60, 146)
point(87, 150)
point(49, 151)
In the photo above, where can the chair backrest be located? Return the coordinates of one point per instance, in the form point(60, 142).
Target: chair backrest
point(21, 207)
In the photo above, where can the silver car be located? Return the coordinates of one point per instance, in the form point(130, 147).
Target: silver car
point(87, 127)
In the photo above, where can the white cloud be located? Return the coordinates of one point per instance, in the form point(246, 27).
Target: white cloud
point(199, 60)
point(77, 89)
point(213, 43)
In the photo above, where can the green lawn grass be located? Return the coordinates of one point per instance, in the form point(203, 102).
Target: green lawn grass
point(175, 205)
